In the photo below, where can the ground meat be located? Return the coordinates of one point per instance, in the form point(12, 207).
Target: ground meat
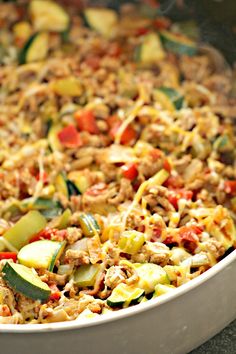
point(214, 247)
point(125, 192)
point(195, 68)
point(76, 257)
point(27, 307)
point(148, 167)
point(153, 252)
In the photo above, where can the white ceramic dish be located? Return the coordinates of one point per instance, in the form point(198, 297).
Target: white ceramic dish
point(173, 324)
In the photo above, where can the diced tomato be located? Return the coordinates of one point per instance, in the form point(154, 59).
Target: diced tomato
point(69, 137)
point(161, 23)
point(173, 182)
point(86, 122)
point(178, 194)
point(128, 135)
point(230, 187)
point(45, 234)
point(170, 241)
point(8, 255)
point(55, 293)
point(97, 189)
point(189, 236)
point(114, 50)
point(156, 154)
point(156, 234)
point(44, 177)
point(93, 62)
point(142, 31)
point(129, 171)
point(166, 165)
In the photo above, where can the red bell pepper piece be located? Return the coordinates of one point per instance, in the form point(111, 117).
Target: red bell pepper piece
point(161, 23)
point(8, 255)
point(86, 122)
point(128, 135)
point(129, 171)
point(142, 31)
point(166, 165)
point(69, 137)
point(44, 177)
point(178, 194)
point(55, 293)
point(45, 234)
point(230, 187)
point(93, 62)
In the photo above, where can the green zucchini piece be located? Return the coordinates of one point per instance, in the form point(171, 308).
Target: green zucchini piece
point(174, 96)
point(72, 188)
point(150, 275)
point(85, 275)
point(88, 225)
point(69, 86)
point(48, 16)
point(63, 220)
point(35, 49)
point(61, 184)
point(123, 295)
point(20, 234)
point(66, 186)
point(39, 204)
point(50, 214)
point(178, 43)
point(161, 289)
point(102, 20)
point(41, 254)
point(25, 281)
point(131, 241)
point(52, 136)
point(151, 50)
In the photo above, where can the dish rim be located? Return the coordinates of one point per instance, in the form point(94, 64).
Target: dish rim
point(123, 313)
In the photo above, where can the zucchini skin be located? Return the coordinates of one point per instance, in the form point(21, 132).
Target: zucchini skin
point(174, 44)
point(19, 285)
point(22, 58)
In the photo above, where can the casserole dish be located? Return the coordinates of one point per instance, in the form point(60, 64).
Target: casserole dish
point(176, 324)
point(161, 315)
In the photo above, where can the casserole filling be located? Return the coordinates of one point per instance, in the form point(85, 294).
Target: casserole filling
point(117, 159)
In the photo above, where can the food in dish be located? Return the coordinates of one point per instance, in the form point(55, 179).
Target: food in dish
point(117, 160)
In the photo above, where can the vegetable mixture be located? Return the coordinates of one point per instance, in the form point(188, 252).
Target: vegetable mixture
point(117, 159)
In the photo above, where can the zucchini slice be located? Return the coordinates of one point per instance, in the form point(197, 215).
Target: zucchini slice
point(88, 225)
point(85, 275)
point(131, 241)
point(35, 49)
point(123, 295)
point(66, 186)
point(102, 20)
point(20, 234)
point(39, 204)
point(26, 281)
point(162, 289)
point(69, 86)
point(150, 275)
point(52, 136)
point(178, 43)
point(169, 98)
point(48, 16)
point(41, 254)
point(151, 50)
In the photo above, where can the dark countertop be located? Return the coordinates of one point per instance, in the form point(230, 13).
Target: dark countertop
point(222, 343)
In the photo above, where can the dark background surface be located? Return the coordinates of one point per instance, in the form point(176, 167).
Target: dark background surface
point(222, 343)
